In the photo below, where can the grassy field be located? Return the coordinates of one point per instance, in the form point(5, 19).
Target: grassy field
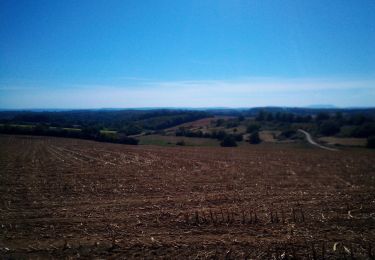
point(109, 133)
point(18, 125)
point(345, 141)
point(50, 127)
point(67, 128)
point(269, 136)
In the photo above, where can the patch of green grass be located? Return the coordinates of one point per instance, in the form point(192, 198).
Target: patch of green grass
point(67, 129)
point(108, 132)
point(51, 127)
point(22, 126)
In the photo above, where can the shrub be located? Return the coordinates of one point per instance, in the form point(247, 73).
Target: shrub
point(252, 127)
point(181, 131)
point(322, 116)
point(131, 129)
point(207, 135)
point(181, 143)
point(364, 130)
point(261, 115)
point(221, 135)
point(232, 123)
point(189, 133)
point(358, 119)
point(329, 128)
point(238, 137)
point(254, 138)
point(128, 140)
point(287, 133)
point(220, 122)
point(90, 132)
point(228, 141)
point(270, 117)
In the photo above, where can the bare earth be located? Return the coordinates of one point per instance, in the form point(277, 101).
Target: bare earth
point(66, 198)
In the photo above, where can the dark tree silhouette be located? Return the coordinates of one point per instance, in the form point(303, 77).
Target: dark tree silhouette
point(254, 138)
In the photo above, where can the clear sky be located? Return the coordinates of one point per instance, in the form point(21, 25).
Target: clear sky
point(93, 54)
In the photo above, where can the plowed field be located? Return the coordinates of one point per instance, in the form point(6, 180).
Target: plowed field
point(64, 198)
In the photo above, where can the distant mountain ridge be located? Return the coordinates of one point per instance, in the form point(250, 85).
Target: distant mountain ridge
point(322, 106)
point(255, 108)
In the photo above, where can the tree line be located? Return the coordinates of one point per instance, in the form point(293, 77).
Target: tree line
point(84, 133)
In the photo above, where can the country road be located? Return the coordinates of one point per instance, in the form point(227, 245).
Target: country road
point(311, 141)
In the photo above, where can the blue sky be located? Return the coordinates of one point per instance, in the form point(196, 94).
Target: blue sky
point(92, 54)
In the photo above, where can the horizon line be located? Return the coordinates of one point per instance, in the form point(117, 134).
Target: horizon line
point(312, 107)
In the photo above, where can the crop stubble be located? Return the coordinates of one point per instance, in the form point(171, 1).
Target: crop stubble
point(75, 198)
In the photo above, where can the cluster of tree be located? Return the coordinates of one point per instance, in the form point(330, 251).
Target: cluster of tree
point(230, 123)
point(131, 129)
point(128, 121)
point(90, 133)
point(297, 111)
point(264, 115)
point(230, 140)
point(252, 128)
point(182, 131)
point(326, 124)
point(329, 127)
point(166, 121)
point(355, 125)
point(226, 140)
point(219, 135)
point(365, 130)
point(287, 134)
point(89, 123)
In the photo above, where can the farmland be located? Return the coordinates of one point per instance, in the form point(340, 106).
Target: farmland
point(78, 198)
point(206, 127)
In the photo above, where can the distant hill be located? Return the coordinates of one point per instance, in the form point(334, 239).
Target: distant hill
point(321, 106)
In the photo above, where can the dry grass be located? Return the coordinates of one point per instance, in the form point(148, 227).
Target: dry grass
point(269, 136)
point(344, 141)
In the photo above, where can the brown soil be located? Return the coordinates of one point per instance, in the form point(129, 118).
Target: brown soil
point(64, 198)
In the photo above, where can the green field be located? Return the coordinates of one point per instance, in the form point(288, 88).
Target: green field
point(23, 126)
point(66, 128)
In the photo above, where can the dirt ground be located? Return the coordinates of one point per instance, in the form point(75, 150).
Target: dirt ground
point(269, 136)
point(67, 198)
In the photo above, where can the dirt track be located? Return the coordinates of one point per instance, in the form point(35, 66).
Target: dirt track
point(75, 198)
point(311, 141)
